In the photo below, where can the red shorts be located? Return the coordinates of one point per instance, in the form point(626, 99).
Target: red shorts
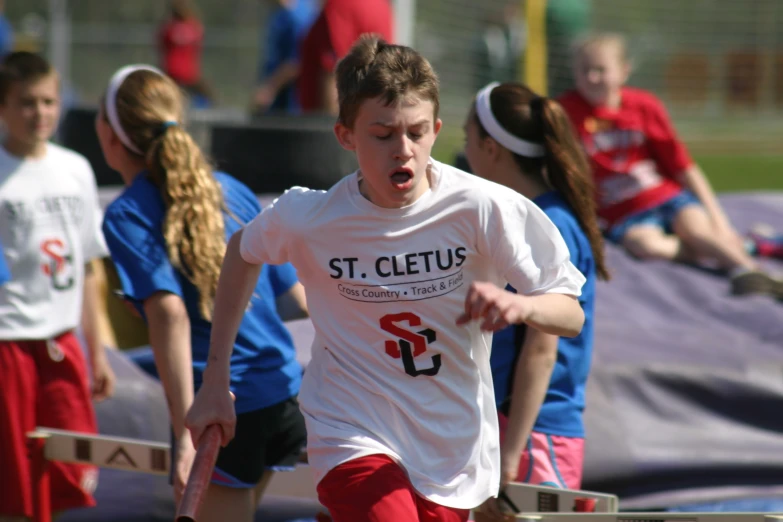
point(376, 489)
point(44, 383)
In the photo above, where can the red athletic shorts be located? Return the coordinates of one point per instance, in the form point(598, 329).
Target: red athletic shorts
point(44, 383)
point(376, 489)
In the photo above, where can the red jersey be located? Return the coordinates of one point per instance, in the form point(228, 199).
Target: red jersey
point(180, 46)
point(339, 25)
point(634, 152)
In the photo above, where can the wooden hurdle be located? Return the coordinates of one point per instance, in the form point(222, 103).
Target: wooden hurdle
point(538, 503)
point(649, 517)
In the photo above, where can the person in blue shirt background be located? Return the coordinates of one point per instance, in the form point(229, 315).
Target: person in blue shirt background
point(6, 32)
point(167, 234)
point(5, 272)
point(526, 142)
point(286, 26)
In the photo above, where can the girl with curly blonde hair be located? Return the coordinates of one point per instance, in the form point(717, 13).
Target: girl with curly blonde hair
point(167, 233)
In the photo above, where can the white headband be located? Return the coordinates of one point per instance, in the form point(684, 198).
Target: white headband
point(516, 145)
point(111, 101)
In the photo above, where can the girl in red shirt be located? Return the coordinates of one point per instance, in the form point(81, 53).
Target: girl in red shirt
point(652, 198)
point(180, 42)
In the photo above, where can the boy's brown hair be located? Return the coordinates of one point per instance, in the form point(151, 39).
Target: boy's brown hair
point(374, 68)
point(22, 67)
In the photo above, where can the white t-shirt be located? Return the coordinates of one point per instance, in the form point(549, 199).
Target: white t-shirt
point(391, 372)
point(50, 226)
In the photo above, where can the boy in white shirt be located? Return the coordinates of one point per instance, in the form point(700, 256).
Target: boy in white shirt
point(50, 229)
point(404, 264)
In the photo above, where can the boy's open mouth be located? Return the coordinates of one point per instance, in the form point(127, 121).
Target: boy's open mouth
point(401, 178)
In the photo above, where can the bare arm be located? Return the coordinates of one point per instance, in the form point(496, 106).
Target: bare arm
point(213, 405)
point(555, 314)
point(267, 90)
point(328, 89)
point(169, 329)
point(293, 304)
point(90, 312)
point(531, 381)
point(103, 376)
point(283, 75)
point(696, 181)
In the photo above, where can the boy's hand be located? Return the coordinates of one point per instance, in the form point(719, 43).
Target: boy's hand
point(213, 405)
point(103, 377)
point(490, 511)
point(497, 307)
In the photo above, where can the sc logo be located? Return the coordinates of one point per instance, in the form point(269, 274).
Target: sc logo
point(409, 344)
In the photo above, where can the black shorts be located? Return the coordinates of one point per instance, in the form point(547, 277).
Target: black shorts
point(271, 438)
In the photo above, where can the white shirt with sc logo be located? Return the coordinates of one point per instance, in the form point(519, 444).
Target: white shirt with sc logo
point(391, 372)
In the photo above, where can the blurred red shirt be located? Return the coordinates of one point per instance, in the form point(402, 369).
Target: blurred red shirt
point(634, 151)
point(339, 25)
point(180, 43)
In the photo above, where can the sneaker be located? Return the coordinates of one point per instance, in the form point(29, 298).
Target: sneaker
point(756, 282)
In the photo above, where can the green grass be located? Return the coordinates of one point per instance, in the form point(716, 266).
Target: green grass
point(726, 172)
point(736, 173)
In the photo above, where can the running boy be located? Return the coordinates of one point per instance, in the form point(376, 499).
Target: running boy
point(653, 199)
point(404, 264)
point(167, 233)
point(50, 229)
point(526, 142)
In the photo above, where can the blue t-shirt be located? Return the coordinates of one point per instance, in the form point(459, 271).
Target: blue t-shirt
point(285, 30)
point(264, 369)
point(561, 413)
point(6, 36)
point(5, 272)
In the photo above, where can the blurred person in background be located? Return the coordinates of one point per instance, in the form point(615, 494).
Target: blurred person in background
point(180, 43)
point(5, 272)
point(500, 45)
point(6, 33)
point(285, 29)
point(50, 221)
point(566, 22)
point(653, 199)
point(339, 25)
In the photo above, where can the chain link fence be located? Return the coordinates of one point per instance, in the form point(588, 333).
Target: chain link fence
point(718, 64)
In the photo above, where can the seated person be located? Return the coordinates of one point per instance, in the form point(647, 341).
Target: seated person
point(652, 198)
